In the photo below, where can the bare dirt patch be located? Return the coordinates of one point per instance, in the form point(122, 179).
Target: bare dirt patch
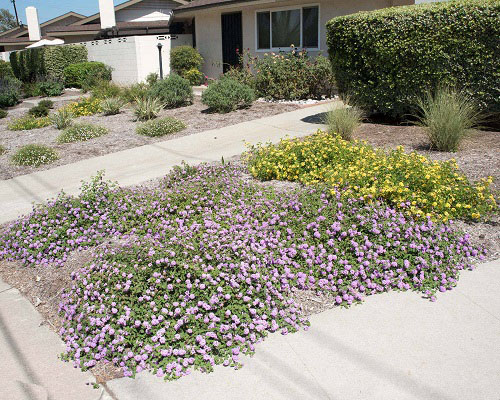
point(122, 134)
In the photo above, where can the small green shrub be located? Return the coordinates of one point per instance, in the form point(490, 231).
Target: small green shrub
point(38, 111)
point(51, 88)
point(81, 132)
point(34, 155)
point(136, 91)
point(5, 69)
point(447, 117)
point(387, 59)
point(28, 122)
point(31, 89)
point(3, 113)
point(46, 103)
point(2, 150)
point(152, 78)
point(227, 95)
point(86, 74)
point(174, 91)
point(62, 119)
point(104, 89)
point(147, 108)
point(194, 76)
point(241, 74)
point(10, 91)
point(185, 58)
point(112, 105)
point(160, 127)
point(343, 121)
point(293, 76)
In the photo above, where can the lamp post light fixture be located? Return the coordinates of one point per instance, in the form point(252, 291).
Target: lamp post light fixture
point(161, 60)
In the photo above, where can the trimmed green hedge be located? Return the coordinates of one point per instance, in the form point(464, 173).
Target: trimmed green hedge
point(76, 75)
point(48, 62)
point(386, 59)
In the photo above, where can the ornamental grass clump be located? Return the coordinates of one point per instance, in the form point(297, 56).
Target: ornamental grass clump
point(81, 132)
point(196, 272)
point(112, 105)
point(34, 155)
point(28, 122)
point(146, 108)
point(447, 117)
point(160, 127)
point(62, 118)
point(432, 189)
point(343, 120)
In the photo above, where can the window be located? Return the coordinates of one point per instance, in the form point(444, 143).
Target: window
point(281, 29)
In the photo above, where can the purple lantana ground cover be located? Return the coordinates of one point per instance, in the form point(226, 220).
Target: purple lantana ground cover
point(196, 272)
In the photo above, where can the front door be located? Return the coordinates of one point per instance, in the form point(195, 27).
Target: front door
point(232, 40)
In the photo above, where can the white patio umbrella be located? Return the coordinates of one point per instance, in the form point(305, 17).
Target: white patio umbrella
point(46, 42)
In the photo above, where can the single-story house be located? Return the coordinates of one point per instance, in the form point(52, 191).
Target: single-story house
point(224, 26)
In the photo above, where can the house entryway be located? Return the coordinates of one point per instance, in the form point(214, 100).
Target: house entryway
point(232, 39)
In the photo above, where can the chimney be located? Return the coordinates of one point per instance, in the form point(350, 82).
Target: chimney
point(33, 24)
point(107, 11)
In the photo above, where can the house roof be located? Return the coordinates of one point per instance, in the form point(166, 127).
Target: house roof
point(12, 31)
point(23, 29)
point(19, 40)
point(200, 4)
point(118, 8)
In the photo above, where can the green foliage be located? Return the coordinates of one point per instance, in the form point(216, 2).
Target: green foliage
point(160, 127)
point(2, 150)
point(10, 91)
point(5, 69)
point(39, 111)
point(50, 88)
point(112, 105)
point(81, 132)
point(389, 58)
point(62, 119)
point(194, 76)
point(86, 74)
point(46, 103)
point(174, 91)
point(447, 117)
point(57, 58)
point(343, 120)
point(227, 95)
point(34, 155)
point(30, 89)
point(104, 89)
point(293, 76)
point(85, 107)
point(147, 108)
point(28, 122)
point(152, 78)
point(136, 91)
point(185, 58)
point(28, 65)
point(3, 113)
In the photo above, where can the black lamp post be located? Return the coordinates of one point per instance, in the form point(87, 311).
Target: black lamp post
point(161, 61)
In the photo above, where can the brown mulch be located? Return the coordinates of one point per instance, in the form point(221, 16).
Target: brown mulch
point(122, 134)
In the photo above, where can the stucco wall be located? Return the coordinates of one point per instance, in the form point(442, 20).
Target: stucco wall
point(133, 58)
point(209, 35)
point(147, 10)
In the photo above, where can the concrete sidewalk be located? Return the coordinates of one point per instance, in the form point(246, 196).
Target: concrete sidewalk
point(394, 346)
point(139, 164)
point(29, 364)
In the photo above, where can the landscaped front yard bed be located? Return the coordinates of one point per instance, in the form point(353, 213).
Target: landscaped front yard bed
point(122, 133)
point(196, 270)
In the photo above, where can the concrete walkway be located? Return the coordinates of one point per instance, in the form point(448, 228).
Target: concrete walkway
point(139, 164)
point(29, 364)
point(394, 346)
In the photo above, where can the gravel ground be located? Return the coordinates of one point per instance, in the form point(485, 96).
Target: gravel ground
point(122, 132)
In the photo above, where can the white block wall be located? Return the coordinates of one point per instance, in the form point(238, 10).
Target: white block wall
point(133, 58)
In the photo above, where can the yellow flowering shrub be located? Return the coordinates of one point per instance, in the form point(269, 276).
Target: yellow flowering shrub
point(84, 107)
point(28, 122)
point(409, 181)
